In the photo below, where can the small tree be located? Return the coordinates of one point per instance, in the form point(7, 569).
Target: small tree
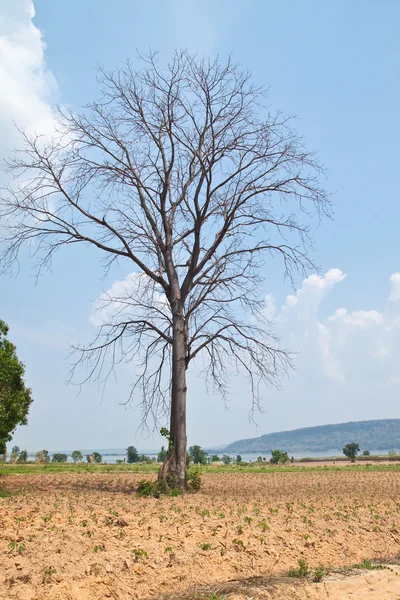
point(351, 451)
point(162, 455)
point(15, 397)
point(366, 453)
point(132, 455)
point(197, 455)
point(77, 456)
point(215, 458)
point(23, 456)
point(59, 457)
point(14, 454)
point(97, 457)
point(226, 459)
point(238, 459)
point(392, 453)
point(279, 457)
point(42, 456)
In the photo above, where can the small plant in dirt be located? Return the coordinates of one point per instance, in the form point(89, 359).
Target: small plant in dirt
point(264, 526)
point(48, 573)
point(368, 565)
point(19, 548)
point(319, 574)
point(302, 571)
point(138, 554)
point(239, 529)
point(239, 545)
point(98, 548)
point(206, 546)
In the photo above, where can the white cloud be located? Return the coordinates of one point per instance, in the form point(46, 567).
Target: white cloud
point(269, 307)
point(395, 287)
point(129, 298)
point(27, 86)
point(347, 346)
point(330, 364)
point(357, 318)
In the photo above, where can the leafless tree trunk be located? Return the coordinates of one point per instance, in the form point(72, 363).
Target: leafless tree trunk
point(185, 174)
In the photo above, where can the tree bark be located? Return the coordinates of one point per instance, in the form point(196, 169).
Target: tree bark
point(174, 466)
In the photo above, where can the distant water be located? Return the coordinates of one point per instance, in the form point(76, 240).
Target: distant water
point(111, 456)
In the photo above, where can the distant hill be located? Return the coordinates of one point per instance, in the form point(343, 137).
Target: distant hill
point(383, 434)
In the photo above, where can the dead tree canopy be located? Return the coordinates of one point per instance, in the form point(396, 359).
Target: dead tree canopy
point(186, 175)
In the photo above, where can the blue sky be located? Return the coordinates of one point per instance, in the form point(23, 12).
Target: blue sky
point(334, 65)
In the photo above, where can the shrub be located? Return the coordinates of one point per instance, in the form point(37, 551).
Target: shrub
point(226, 459)
point(302, 571)
point(319, 574)
point(156, 488)
point(59, 457)
point(279, 457)
point(366, 453)
point(193, 478)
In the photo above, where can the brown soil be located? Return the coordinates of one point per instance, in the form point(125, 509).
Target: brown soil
point(88, 536)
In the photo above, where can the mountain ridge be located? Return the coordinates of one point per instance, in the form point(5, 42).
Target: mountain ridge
point(377, 434)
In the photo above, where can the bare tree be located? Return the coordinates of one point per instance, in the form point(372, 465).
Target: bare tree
point(184, 173)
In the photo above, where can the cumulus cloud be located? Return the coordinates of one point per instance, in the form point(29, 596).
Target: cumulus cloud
point(395, 287)
point(345, 345)
point(135, 296)
point(27, 86)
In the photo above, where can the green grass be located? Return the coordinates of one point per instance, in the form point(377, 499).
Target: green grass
point(32, 468)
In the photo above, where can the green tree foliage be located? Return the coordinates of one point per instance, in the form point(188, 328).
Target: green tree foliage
point(23, 456)
point(77, 456)
point(42, 456)
point(351, 451)
point(59, 457)
point(15, 397)
point(132, 454)
point(238, 459)
point(366, 453)
point(215, 458)
point(197, 455)
point(95, 457)
point(279, 457)
point(14, 454)
point(226, 459)
point(161, 456)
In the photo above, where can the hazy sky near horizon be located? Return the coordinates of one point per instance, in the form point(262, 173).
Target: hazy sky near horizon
point(334, 65)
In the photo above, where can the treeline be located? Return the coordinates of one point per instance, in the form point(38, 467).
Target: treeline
point(43, 456)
